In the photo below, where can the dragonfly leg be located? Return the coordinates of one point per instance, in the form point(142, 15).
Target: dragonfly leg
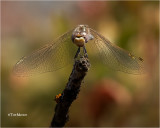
point(77, 53)
point(85, 52)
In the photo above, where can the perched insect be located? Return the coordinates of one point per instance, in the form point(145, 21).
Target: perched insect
point(63, 50)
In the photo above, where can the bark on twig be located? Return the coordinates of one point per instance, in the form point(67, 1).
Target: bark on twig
point(70, 92)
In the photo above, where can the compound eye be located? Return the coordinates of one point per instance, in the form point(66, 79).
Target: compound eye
point(84, 33)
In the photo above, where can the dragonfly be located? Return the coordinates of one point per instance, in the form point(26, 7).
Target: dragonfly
point(68, 47)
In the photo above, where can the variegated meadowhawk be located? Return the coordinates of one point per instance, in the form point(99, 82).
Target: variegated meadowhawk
point(63, 50)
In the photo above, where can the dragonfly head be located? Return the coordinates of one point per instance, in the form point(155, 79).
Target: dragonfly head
point(81, 35)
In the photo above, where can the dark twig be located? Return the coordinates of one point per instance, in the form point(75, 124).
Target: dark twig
point(70, 92)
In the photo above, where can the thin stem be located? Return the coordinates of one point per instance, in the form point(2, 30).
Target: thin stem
point(70, 92)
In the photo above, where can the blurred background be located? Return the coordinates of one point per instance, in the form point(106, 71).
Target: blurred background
point(107, 98)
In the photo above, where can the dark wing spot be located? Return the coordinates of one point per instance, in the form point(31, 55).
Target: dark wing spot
point(140, 59)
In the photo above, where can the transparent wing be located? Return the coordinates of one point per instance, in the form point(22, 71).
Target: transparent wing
point(48, 58)
point(115, 57)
